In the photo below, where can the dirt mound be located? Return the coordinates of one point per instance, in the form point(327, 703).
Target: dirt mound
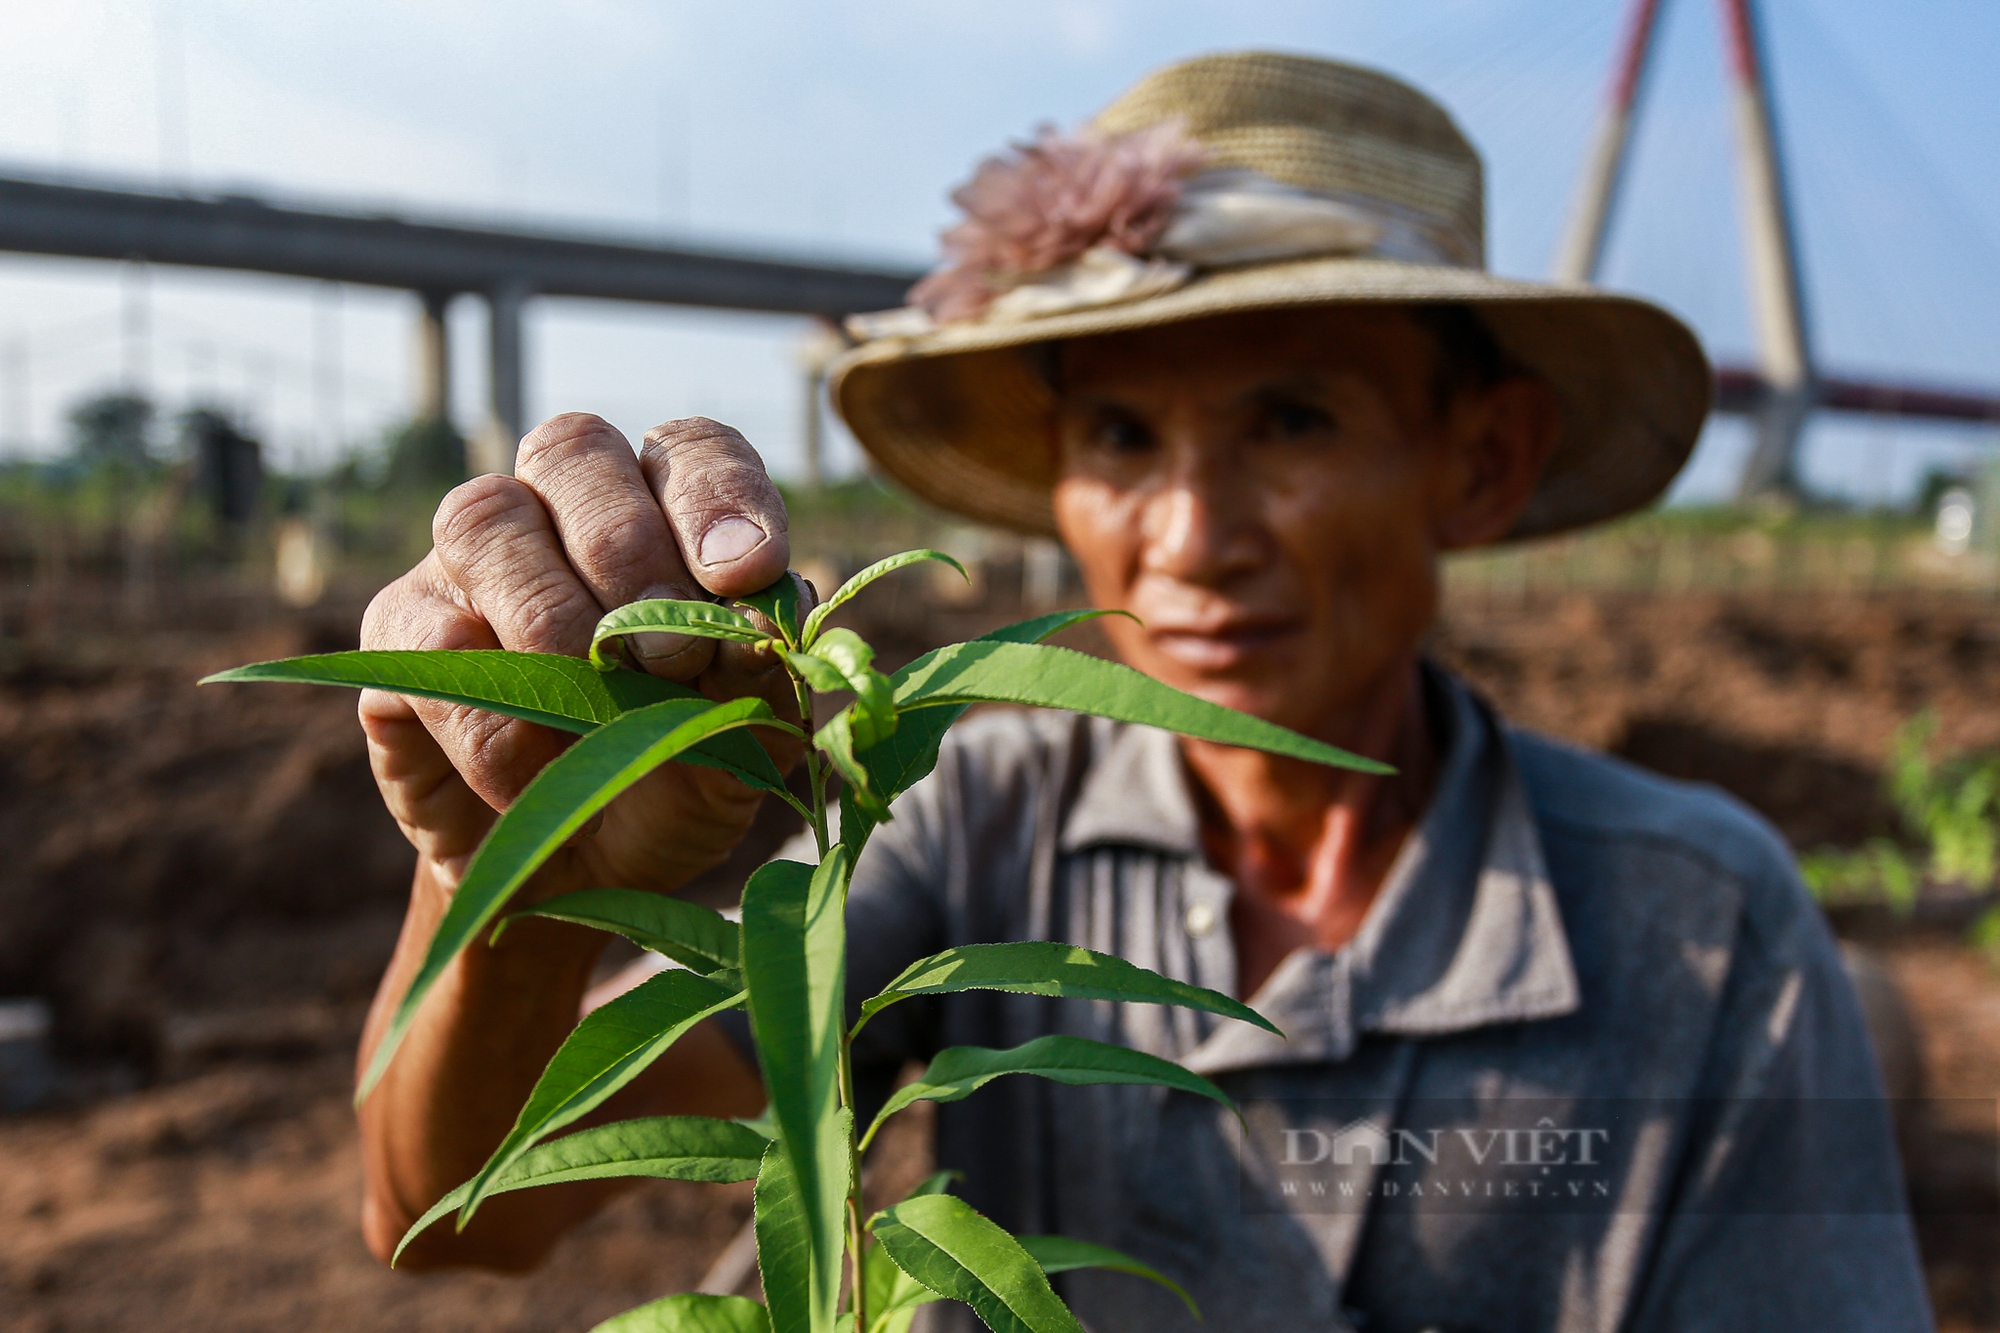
point(1788, 702)
point(176, 852)
point(205, 885)
point(229, 1202)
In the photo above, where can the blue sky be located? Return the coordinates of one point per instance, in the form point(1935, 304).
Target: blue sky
point(837, 128)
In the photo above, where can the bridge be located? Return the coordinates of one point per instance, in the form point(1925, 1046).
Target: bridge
point(434, 260)
point(439, 261)
point(1786, 385)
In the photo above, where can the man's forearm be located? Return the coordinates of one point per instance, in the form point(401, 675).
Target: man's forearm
point(484, 1034)
point(467, 1064)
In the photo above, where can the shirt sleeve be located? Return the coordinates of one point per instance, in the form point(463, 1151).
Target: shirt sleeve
point(1790, 1211)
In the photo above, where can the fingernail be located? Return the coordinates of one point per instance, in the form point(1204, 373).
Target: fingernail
point(730, 539)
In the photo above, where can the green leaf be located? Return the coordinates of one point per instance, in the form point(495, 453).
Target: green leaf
point(1048, 967)
point(611, 1046)
point(893, 1295)
point(1060, 1254)
point(1050, 677)
point(899, 762)
point(704, 620)
point(691, 935)
point(1036, 629)
point(874, 698)
point(692, 1313)
point(835, 740)
point(660, 1147)
point(822, 675)
point(780, 605)
point(845, 593)
point(795, 959)
point(959, 1071)
point(561, 692)
point(784, 1242)
point(576, 785)
point(943, 1243)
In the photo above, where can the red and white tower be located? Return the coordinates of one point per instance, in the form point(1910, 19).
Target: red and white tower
point(1784, 387)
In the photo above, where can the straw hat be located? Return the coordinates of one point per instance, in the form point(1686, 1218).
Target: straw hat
point(1249, 182)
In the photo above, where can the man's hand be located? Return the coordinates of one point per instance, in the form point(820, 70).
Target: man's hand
point(530, 563)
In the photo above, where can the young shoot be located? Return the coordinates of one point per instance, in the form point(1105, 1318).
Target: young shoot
point(827, 1264)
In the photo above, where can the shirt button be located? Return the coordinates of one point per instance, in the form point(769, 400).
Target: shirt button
point(1200, 920)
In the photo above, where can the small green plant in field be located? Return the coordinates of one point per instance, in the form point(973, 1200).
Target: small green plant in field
point(787, 960)
point(1949, 806)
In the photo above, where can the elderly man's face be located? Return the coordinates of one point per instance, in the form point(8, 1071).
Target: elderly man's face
point(1269, 494)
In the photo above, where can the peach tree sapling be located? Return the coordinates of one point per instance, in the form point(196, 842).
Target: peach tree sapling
point(787, 959)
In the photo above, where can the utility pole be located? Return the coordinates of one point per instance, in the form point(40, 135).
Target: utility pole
point(1776, 295)
point(1590, 212)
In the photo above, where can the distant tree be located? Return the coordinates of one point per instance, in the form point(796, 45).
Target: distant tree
point(424, 454)
point(113, 430)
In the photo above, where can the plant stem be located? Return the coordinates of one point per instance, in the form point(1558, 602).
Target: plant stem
point(815, 769)
point(858, 1300)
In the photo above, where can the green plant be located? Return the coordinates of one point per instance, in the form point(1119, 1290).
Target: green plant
point(1951, 803)
point(1948, 806)
point(787, 960)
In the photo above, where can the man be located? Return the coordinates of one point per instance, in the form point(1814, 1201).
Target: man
point(1567, 1045)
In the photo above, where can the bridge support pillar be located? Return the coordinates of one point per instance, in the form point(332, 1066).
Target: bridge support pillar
point(434, 357)
point(492, 450)
point(1777, 299)
point(1590, 214)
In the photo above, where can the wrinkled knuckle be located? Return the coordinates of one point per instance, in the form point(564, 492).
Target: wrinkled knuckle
point(695, 508)
point(486, 752)
point(618, 553)
point(551, 606)
point(376, 621)
point(706, 487)
point(687, 431)
point(562, 436)
point(474, 505)
point(697, 446)
point(576, 425)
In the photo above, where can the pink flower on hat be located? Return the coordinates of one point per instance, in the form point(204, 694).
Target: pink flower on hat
point(1045, 203)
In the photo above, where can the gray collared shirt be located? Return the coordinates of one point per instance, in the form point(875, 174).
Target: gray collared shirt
point(1563, 1078)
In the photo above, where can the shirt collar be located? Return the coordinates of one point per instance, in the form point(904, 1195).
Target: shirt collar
point(1135, 794)
point(1466, 931)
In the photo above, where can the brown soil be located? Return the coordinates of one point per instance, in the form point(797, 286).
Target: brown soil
point(204, 884)
point(1787, 701)
point(228, 1202)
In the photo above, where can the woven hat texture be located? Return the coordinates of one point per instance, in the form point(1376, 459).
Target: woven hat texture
point(962, 417)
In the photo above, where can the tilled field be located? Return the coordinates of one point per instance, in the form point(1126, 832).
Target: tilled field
point(204, 885)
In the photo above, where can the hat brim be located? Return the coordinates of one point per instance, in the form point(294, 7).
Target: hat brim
point(962, 419)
